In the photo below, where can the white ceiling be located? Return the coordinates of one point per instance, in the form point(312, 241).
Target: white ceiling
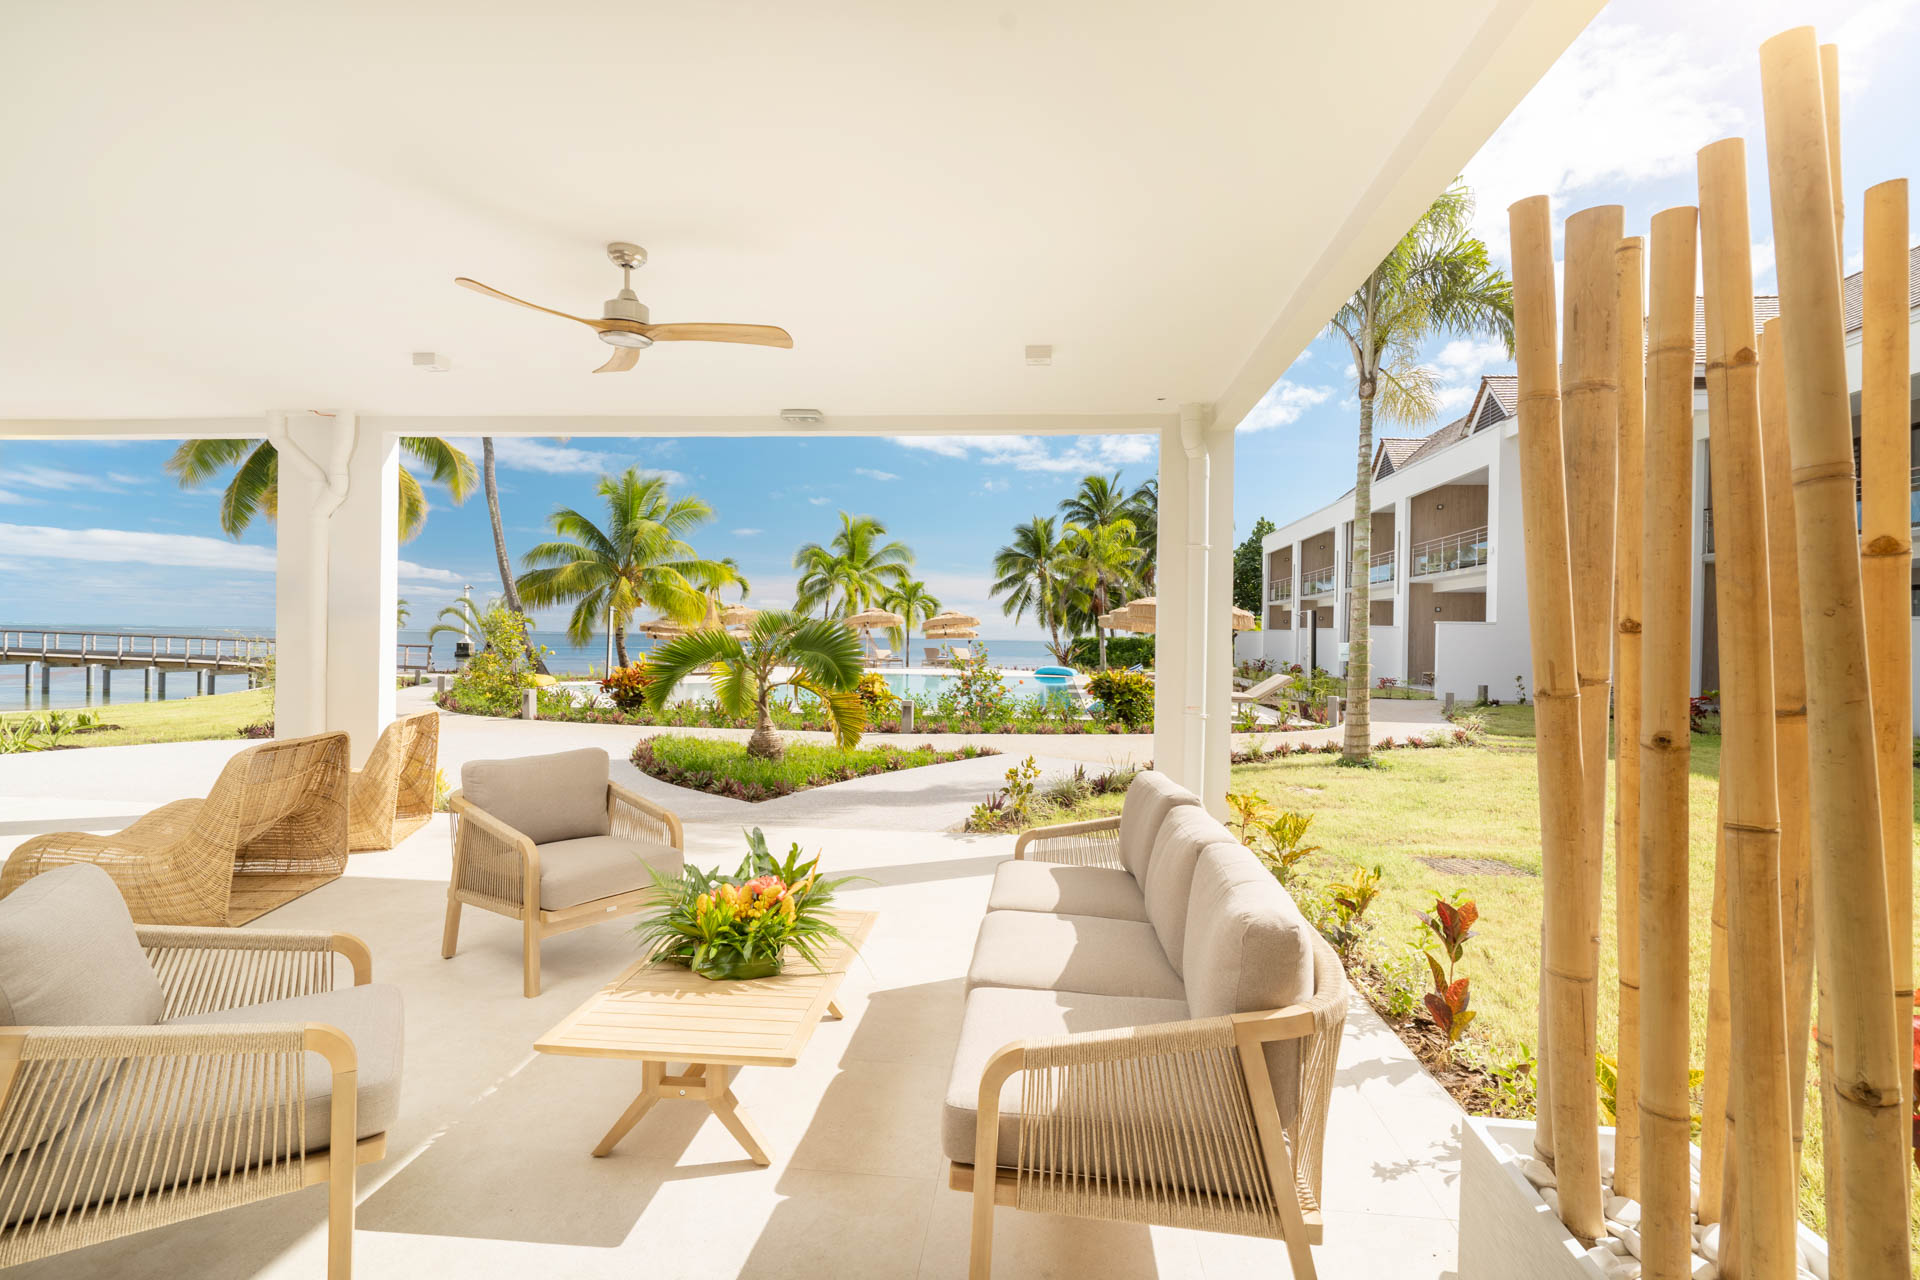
point(219, 209)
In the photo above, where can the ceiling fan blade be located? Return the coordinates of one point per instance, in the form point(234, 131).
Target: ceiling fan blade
point(491, 292)
point(758, 335)
point(620, 361)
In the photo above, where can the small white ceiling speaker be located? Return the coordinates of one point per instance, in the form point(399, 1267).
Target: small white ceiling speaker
point(1040, 355)
point(808, 417)
point(432, 361)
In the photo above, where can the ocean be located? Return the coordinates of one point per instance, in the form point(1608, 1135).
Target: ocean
point(68, 685)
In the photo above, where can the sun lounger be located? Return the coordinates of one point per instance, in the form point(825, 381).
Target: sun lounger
point(1261, 691)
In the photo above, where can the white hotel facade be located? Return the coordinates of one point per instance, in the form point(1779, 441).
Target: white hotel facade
point(1449, 590)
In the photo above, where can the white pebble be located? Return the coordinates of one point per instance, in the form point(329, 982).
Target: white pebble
point(1631, 1239)
point(1621, 1209)
point(1611, 1244)
point(1704, 1269)
point(1552, 1198)
point(1710, 1243)
point(1538, 1174)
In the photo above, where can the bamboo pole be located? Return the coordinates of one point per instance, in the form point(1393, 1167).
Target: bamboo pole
point(1764, 1175)
point(1569, 980)
point(1789, 725)
point(1830, 107)
point(1627, 519)
point(1869, 1133)
point(1886, 559)
point(1666, 1236)
point(1717, 1075)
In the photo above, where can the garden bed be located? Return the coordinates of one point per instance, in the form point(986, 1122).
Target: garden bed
point(723, 768)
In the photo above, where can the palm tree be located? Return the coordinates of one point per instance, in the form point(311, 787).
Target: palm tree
point(1099, 501)
point(815, 654)
point(1030, 572)
point(1436, 282)
point(856, 566)
point(509, 591)
point(913, 602)
point(640, 558)
point(1143, 508)
point(254, 488)
point(1101, 562)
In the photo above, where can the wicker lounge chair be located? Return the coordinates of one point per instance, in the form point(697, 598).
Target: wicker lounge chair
point(1150, 1034)
point(273, 827)
point(393, 796)
point(151, 1075)
point(551, 842)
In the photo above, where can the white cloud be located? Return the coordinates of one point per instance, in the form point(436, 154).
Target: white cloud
point(1039, 453)
point(121, 477)
point(37, 477)
point(523, 453)
point(131, 546)
point(748, 533)
point(1284, 403)
point(421, 573)
point(818, 502)
point(1458, 367)
point(1452, 399)
point(994, 486)
point(872, 474)
point(12, 497)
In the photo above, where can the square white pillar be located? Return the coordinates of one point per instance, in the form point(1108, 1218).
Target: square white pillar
point(1170, 639)
point(1217, 625)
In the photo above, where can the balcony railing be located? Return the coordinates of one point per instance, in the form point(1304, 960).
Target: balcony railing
point(1281, 591)
point(1379, 569)
point(1465, 550)
point(1315, 582)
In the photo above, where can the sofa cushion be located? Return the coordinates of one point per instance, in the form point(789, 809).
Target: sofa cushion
point(1151, 796)
point(997, 1016)
point(592, 867)
point(545, 798)
point(1107, 892)
point(116, 1137)
point(1169, 884)
point(1071, 953)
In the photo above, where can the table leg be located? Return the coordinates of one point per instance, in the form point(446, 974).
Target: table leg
point(651, 1073)
point(727, 1107)
point(833, 1010)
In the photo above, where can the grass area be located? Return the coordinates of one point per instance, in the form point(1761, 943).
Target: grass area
point(723, 767)
point(220, 715)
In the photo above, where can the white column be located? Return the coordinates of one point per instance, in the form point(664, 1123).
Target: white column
point(1194, 420)
point(363, 559)
point(1170, 590)
point(1216, 627)
point(300, 637)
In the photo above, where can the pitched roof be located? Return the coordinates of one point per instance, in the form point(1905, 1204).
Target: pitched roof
point(1766, 305)
point(1393, 454)
point(1452, 433)
point(1505, 389)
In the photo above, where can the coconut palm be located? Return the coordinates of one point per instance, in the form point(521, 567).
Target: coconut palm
point(1143, 508)
point(639, 559)
point(1030, 573)
point(509, 592)
point(780, 648)
point(461, 618)
point(1436, 282)
point(253, 491)
point(1100, 561)
point(1099, 501)
point(852, 571)
point(913, 602)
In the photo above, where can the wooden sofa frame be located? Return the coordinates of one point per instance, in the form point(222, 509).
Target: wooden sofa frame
point(45, 1073)
point(517, 895)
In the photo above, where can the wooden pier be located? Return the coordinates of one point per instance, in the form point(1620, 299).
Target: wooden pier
point(156, 656)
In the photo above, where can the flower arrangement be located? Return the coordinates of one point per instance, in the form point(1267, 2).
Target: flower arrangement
point(743, 925)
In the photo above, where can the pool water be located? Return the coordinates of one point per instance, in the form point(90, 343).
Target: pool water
point(1019, 684)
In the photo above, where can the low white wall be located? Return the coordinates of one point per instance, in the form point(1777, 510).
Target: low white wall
point(1387, 655)
point(1469, 654)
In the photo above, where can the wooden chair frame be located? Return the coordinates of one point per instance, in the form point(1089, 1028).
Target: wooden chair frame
point(201, 971)
point(628, 813)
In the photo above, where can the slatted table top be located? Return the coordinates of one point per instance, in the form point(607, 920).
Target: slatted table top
point(664, 1013)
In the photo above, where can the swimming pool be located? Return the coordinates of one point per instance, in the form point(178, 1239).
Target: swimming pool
point(1052, 682)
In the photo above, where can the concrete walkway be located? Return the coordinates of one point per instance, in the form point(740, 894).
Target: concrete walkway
point(489, 1177)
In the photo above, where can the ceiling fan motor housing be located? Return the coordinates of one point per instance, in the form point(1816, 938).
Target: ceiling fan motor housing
point(625, 306)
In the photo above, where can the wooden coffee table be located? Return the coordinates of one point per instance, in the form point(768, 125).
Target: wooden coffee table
point(659, 1015)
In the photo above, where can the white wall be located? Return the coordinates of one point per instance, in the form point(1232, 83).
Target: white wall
point(1469, 654)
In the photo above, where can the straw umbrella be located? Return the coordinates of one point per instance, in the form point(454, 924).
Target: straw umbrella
point(661, 629)
point(870, 619)
point(738, 615)
point(1242, 619)
point(1145, 609)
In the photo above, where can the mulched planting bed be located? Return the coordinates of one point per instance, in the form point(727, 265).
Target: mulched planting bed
point(723, 768)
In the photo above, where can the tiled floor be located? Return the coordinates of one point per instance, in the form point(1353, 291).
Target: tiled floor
point(489, 1173)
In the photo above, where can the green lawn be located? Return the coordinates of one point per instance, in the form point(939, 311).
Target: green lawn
point(221, 715)
point(723, 767)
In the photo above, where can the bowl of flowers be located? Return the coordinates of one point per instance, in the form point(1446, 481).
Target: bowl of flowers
point(747, 924)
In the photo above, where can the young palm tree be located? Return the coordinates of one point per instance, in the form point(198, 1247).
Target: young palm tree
point(780, 648)
point(639, 559)
point(855, 566)
point(912, 601)
point(254, 488)
point(1436, 282)
point(1101, 563)
point(1030, 572)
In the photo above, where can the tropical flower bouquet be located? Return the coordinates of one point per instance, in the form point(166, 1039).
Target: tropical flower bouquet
point(743, 925)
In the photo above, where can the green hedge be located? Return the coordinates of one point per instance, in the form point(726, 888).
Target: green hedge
point(1122, 651)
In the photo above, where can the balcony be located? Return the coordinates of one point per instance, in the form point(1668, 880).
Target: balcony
point(1280, 592)
point(1316, 582)
point(1379, 570)
point(1465, 550)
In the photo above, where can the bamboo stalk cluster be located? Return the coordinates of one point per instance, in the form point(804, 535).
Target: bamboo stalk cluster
point(1813, 872)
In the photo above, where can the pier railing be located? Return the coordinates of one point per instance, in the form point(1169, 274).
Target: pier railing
point(157, 649)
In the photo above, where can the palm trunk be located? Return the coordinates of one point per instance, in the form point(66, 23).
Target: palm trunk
point(508, 591)
point(1099, 632)
point(1357, 742)
point(620, 644)
point(765, 743)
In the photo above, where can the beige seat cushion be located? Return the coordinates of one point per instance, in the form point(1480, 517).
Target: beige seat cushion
point(594, 867)
point(1151, 796)
point(1072, 953)
point(545, 798)
point(1107, 892)
point(1186, 830)
point(371, 1016)
point(997, 1016)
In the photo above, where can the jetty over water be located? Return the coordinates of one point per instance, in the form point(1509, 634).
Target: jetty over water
point(156, 655)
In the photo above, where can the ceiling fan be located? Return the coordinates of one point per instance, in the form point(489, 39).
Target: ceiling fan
point(624, 325)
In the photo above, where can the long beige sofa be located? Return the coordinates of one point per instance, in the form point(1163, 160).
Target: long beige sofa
point(1149, 1035)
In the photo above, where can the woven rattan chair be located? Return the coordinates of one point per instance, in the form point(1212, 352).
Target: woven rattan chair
point(549, 841)
point(224, 1099)
point(276, 819)
point(393, 796)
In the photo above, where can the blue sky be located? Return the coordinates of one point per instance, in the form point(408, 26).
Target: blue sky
point(98, 534)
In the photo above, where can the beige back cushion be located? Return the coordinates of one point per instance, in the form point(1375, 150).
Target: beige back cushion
point(1248, 948)
point(1151, 796)
point(544, 798)
point(1169, 884)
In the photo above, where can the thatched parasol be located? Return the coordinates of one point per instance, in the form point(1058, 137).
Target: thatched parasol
point(661, 629)
point(951, 621)
point(1145, 609)
point(737, 615)
point(953, 633)
point(875, 620)
point(1242, 619)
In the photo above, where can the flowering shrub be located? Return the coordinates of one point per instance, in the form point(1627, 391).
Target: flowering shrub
point(493, 678)
point(1386, 682)
point(1125, 697)
point(879, 696)
point(626, 687)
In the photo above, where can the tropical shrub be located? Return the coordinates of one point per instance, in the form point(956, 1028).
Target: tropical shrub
point(1350, 901)
point(877, 695)
point(818, 656)
point(978, 692)
point(626, 687)
point(1451, 924)
point(1125, 697)
point(494, 676)
point(1282, 843)
point(1122, 651)
point(1021, 788)
point(724, 768)
point(1249, 810)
